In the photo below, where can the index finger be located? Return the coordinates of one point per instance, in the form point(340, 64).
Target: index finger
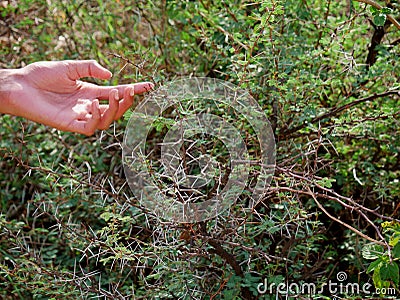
point(102, 92)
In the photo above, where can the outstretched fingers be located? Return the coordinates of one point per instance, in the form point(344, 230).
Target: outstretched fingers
point(101, 116)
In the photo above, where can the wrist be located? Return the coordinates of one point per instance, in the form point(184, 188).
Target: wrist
point(10, 85)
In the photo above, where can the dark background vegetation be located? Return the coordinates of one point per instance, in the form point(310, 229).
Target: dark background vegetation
point(325, 72)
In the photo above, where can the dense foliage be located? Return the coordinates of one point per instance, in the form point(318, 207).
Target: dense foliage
point(326, 74)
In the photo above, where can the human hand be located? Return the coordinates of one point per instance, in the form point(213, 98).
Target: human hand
point(52, 93)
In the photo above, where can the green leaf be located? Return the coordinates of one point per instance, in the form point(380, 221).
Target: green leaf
point(154, 276)
point(128, 114)
point(378, 282)
point(326, 182)
point(106, 216)
point(390, 271)
point(394, 240)
point(386, 10)
point(396, 251)
point(372, 251)
point(380, 19)
point(374, 10)
point(374, 265)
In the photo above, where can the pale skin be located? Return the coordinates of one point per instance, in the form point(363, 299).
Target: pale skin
point(51, 93)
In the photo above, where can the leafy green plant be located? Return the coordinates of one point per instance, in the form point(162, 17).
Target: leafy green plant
point(385, 265)
point(324, 72)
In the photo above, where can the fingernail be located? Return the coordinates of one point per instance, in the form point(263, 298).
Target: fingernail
point(132, 92)
point(116, 96)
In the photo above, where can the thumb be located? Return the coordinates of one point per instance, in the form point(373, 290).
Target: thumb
point(86, 68)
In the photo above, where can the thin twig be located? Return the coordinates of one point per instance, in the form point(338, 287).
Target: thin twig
point(343, 223)
point(336, 197)
point(335, 110)
point(130, 62)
